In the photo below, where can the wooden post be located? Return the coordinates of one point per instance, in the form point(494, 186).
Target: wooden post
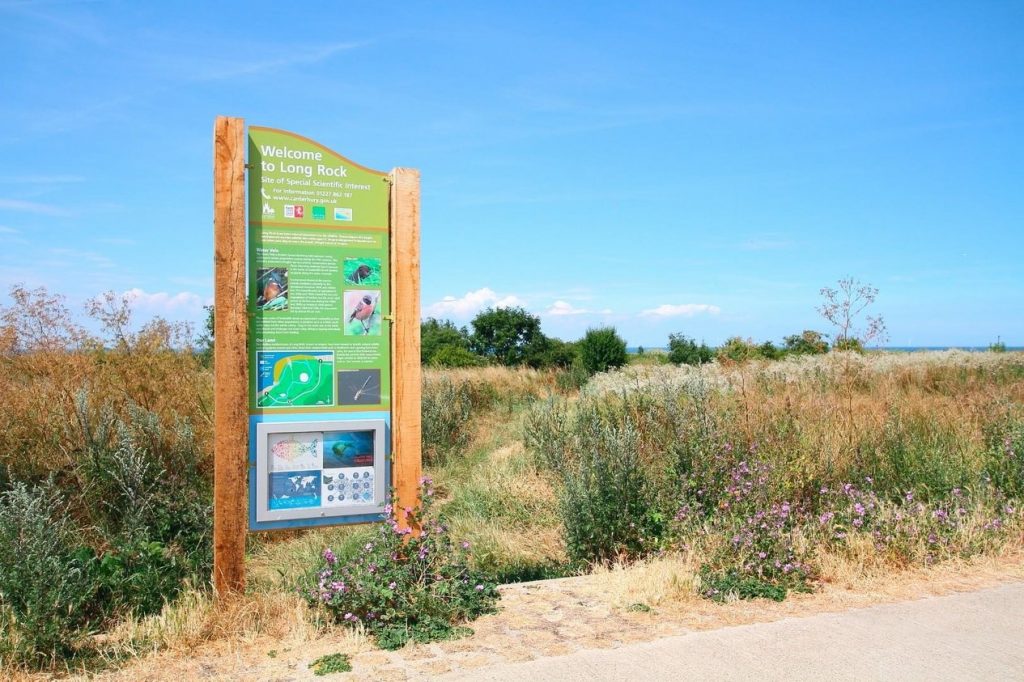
point(406, 463)
point(230, 358)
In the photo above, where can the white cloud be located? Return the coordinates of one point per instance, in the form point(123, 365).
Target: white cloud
point(681, 310)
point(564, 308)
point(471, 303)
point(561, 308)
point(184, 303)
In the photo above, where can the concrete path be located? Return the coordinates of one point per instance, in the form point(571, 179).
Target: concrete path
point(968, 636)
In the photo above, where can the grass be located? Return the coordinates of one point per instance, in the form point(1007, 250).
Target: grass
point(924, 424)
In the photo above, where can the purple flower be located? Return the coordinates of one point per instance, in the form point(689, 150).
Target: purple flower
point(329, 556)
point(826, 517)
point(465, 544)
point(392, 585)
point(859, 508)
point(479, 588)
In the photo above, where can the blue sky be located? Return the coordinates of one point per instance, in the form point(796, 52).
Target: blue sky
point(694, 167)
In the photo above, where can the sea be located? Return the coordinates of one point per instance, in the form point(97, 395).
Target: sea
point(894, 349)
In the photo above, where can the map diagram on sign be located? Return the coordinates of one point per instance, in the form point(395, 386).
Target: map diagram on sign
point(287, 379)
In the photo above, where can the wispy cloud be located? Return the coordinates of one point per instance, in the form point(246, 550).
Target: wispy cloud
point(183, 303)
point(33, 207)
point(681, 310)
point(220, 69)
point(91, 258)
point(471, 303)
point(40, 179)
point(564, 308)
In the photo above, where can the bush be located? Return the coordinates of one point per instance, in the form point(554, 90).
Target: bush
point(808, 342)
point(405, 585)
point(609, 505)
point(437, 336)
point(682, 350)
point(455, 357)
point(46, 590)
point(445, 409)
point(602, 349)
point(736, 349)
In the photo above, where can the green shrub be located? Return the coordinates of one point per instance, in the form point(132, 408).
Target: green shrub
point(442, 335)
point(331, 664)
point(455, 357)
point(573, 378)
point(445, 408)
point(46, 590)
point(609, 504)
point(738, 349)
point(682, 350)
point(405, 585)
point(850, 344)
point(808, 342)
point(602, 349)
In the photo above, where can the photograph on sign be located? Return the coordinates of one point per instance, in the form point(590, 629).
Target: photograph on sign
point(359, 386)
point(363, 271)
point(362, 313)
point(272, 288)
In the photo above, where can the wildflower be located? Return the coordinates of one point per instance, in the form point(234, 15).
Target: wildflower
point(859, 508)
point(329, 556)
point(869, 480)
point(369, 546)
point(940, 514)
point(465, 544)
point(392, 585)
point(762, 555)
point(479, 588)
point(826, 517)
point(909, 496)
point(858, 522)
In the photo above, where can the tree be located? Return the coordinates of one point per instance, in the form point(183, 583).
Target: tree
point(510, 336)
point(809, 342)
point(738, 349)
point(205, 340)
point(559, 353)
point(843, 307)
point(436, 335)
point(602, 349)
point(682, 350)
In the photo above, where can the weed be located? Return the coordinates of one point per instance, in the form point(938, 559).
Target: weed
point(331, 664)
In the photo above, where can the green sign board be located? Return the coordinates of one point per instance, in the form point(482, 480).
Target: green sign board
point(319, 341)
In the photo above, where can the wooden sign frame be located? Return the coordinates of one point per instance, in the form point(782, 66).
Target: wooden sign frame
point(231, 372)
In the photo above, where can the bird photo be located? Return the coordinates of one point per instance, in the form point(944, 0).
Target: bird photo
point(362, 313)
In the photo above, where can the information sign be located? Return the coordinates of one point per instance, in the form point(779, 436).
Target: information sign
point(319, 334)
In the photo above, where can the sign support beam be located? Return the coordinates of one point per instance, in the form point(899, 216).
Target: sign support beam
point(230, 359)
point(406, 432)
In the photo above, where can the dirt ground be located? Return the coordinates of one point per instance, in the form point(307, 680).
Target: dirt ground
point(558, 617)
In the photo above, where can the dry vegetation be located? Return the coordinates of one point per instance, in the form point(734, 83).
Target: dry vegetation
point(505, 445)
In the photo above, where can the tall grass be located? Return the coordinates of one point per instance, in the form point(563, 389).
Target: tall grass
point(768, 465)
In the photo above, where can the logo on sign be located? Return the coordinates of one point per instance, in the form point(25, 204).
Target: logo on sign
point(342, 213)
point(268, 210)
point(319, 213)
point(294, 211)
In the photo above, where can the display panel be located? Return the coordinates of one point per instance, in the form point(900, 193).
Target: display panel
point(321, 469)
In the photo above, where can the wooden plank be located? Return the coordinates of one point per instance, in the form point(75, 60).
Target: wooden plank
point(406, 444)
point(230, 358)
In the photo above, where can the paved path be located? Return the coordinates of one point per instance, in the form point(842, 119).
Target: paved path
point(968, 636)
